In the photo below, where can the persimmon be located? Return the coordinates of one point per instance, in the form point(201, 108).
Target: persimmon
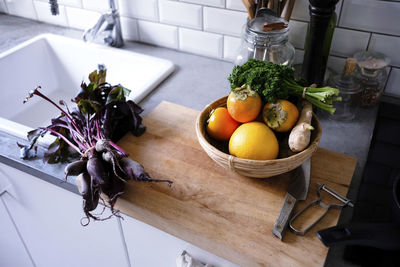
point(221, 125)
point(244, 104)
point(280, 116)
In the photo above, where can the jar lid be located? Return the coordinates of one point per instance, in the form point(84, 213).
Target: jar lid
point(268, 24)
point(259, 31)
point(371, 63)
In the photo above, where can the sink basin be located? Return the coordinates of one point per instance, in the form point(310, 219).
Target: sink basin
point(59, 64)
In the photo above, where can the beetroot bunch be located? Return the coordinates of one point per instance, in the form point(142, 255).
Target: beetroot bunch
point(101, 117)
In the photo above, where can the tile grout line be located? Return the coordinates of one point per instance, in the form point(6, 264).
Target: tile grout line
point(121, 231)
point(35, 10)
point(387, 79)
point(352, 29)
point(369, 41)
point(158, 11)
point(138, 29)
point(5, 5)
point(66, 16)
point(340, 14)
point(202, 18)
point(223, 47)
point(178, 30)
point(18, 232)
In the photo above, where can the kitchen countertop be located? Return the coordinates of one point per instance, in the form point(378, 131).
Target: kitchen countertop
point(196, 82)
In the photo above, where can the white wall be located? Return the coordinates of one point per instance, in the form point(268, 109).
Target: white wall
point(212, 27)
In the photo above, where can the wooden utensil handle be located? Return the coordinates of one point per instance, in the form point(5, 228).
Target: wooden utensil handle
point(281, 222)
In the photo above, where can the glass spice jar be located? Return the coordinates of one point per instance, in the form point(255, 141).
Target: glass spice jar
point(372, 75)
point(266, 38)
point(349, 91)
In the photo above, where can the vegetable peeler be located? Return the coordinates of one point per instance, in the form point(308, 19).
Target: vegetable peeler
point(319, 202)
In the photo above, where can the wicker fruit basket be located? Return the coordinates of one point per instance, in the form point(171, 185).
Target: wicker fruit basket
point(248, 167)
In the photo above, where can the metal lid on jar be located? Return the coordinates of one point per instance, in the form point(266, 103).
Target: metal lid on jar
point(371, 63)
point(266, 28)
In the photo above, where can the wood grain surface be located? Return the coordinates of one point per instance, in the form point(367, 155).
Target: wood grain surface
point(227, 214)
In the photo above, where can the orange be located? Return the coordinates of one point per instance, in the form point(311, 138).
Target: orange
point(244, 104)
point(254, 140)
point(221, 125)
point(280, 116)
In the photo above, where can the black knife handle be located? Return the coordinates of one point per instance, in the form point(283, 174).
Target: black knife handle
point(379, 235)
point(286, 211)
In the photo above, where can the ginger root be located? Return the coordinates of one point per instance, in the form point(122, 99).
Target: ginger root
point(299, 137)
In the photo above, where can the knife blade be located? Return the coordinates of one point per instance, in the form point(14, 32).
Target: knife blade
point(297, 190)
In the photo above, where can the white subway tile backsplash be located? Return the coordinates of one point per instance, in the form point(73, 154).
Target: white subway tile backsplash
point(97, 5)
point(216, 20)
point(74, 3)
point(298, 56)
point(216, 3)
point(371, 15)
point(336, 63)
point(347, 42)
point(181, 14)
point(388, 45)
point(44, 14)
point(202, 43)
point(142, 9)
point(80, 18)
point(231, 48)
point(213, 27)
point(129, 29)
point(297, 33)
point(393, 84)
point(22, 8)
point(236, 5)
point(158, 34)
point(301, 11)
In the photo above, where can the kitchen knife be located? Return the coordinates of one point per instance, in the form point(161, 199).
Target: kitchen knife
point(297, 190)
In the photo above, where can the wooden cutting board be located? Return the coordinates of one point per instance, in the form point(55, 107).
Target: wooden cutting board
point(227, 214)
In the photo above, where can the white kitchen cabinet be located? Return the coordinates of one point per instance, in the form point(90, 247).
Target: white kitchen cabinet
point(11, 242)
point(147, 246)
point(48, 219)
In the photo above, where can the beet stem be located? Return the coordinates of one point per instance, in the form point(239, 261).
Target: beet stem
point(66, 140)
point(75, 135)
point(117, 147)
point(38, 93)
point(97, 129)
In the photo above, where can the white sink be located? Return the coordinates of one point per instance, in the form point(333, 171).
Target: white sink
point(59, 64)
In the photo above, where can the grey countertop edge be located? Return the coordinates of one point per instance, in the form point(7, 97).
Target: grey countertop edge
point(196, 82)
point(52, 173)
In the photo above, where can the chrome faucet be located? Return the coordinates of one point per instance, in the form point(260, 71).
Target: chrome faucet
point(112, 28)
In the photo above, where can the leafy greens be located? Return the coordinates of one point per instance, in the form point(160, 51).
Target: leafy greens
point(272, 81)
